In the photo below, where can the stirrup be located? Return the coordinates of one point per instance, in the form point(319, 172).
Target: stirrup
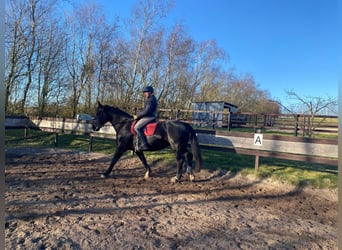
point(139, 145)
point(143, 147)
point(136, 143)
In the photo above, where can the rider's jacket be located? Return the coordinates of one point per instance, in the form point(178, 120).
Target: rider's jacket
point(150, 109)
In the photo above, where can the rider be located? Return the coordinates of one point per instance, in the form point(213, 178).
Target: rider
point(147, 115)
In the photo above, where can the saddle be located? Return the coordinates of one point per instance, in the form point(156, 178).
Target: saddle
point(149, 129)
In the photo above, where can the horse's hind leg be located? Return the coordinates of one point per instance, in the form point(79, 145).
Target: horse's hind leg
point(189, 171)
point(142, 158)
point(180, 162)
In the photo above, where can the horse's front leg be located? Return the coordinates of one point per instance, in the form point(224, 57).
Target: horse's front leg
point(118, 153)
point(142, 158)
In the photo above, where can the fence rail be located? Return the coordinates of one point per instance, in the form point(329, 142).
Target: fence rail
point(323, 151)
point(298, 124)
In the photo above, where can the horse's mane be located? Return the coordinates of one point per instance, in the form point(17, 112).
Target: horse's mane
point(117, 111)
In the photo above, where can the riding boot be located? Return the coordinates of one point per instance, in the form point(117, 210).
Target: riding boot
point(142, 142)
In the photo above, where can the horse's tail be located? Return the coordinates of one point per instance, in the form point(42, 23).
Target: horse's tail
point(195, 150)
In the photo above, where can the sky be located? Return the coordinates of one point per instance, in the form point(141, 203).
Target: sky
point(287, 45)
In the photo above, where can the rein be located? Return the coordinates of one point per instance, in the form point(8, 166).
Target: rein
point(116, 123)
point(125, 120)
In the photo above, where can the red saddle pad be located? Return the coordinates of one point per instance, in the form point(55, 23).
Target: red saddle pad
point(149, 128)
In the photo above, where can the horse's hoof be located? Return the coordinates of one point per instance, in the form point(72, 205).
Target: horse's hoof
point(104, 176)
point(174, 179)
point(147, 176)
point(191, 177)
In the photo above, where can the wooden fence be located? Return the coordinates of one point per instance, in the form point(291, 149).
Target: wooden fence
point(298, 124)
point(323, 151)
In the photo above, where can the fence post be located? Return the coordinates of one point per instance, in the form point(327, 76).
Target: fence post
point(265, 120)
point(177, 114)
point(91, 143)
point(229, 120)
point(214, 121)
point(304, 125)
point(56, 139)
point(256, 164)
point(296, 126)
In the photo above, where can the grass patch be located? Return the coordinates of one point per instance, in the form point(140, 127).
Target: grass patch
point(34, 138)
point(297, 173)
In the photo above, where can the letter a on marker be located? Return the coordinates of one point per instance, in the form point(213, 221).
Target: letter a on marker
point(258, 139)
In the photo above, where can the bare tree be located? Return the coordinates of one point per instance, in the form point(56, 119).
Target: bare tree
point(22, 46)
point(214, 88)
point(178, 50)
point(244, 92)
point(106, 61)
point(84, 59)
point(30, 24)
point(50, 65)
point(73, 68)
point(311, 107)
point(30, 40)
point(143, 26)
point(14, 51)
point(204, 69)
point(82, 62)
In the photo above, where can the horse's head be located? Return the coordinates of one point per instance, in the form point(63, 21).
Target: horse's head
point(101, 118)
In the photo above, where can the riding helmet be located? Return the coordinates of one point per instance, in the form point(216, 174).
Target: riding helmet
point(148, 89)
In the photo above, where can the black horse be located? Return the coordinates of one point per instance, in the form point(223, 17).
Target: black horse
point(175, 134)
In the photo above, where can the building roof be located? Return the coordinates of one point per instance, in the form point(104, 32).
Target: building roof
point(225, 104)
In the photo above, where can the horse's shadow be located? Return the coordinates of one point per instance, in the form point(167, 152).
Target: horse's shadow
point(221, 173)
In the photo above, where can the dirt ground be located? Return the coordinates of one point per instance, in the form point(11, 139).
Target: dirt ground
point(55, 199)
